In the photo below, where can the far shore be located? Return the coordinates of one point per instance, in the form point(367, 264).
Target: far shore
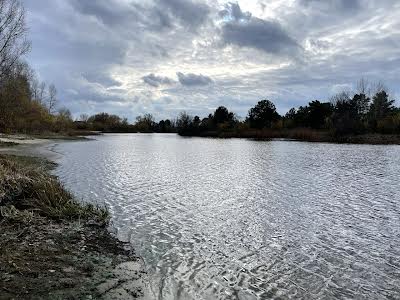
point(303, 135)
point(33, 145)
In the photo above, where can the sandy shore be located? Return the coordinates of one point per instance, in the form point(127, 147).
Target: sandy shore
point(21, 139)
point(28, 146)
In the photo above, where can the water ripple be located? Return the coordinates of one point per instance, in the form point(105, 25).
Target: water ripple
point(239, 219)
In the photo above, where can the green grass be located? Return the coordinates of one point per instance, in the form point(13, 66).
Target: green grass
point(27, 190)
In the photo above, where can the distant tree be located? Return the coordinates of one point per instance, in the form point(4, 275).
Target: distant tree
point(83, 118)
point(347, 117)
point(341, 97)
point(34, 85)
point(184, 123)
point(381, 107)
point(364, 87)
point(52, 98)
point(361, 102)
point(222, 115)
point(318, 114)
point(290, 118)
point(106, 122)
point(165, 126)
point(262, 115)
point(42, 92)
point(145, 123)
point(63, 120)
point(64, 113)
point(196, 121)
point(291, 113)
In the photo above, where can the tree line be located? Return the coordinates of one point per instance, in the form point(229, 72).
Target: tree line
point(26, 103)
point(369, 110)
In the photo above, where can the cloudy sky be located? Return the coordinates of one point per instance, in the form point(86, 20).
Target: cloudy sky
point(164, 56)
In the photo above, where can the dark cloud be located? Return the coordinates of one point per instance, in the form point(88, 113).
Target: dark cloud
point(243, 30)
point(233, 11)
point(101, 78)
point(158, 16)
point(188, 12)
point(191, 79)
point(110, 12)
point(346, 5)
point(156, 81)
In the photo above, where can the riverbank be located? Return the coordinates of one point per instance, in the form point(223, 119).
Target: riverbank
point(304, 134)
point(54, 247)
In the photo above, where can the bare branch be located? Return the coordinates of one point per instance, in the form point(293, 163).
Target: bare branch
point(13, 30)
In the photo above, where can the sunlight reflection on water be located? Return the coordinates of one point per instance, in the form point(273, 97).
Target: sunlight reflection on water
point(223, 219)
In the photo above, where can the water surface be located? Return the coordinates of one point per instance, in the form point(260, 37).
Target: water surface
point(241, 219)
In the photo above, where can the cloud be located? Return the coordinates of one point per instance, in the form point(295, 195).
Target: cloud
point(233, 11)
point(345, 5)
point(189, 13)
point(107, 11)
point(228, 53)
point(191, 79)
point(101, 78)
point(243, 30)
point(156, 81)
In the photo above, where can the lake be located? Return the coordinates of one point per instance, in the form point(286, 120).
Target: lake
point(242, 219)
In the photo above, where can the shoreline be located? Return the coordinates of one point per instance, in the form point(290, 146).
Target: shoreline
point(57, 252)
point(304, 136)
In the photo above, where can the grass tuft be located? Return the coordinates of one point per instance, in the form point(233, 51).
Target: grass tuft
point(28, 190)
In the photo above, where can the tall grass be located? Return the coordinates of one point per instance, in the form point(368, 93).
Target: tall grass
point(27, 189)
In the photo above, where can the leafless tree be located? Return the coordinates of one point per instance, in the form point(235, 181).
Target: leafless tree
point(13, 31)
point(378, 87)
point(343, 96)
point(52, 98)
point(42, 92)
point(83, 117)
point(364, 87)
point(35, 88)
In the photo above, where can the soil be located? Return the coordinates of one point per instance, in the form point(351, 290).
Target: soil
point(49, 260)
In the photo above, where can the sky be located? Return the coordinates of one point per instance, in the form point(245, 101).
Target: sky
point(162, 57)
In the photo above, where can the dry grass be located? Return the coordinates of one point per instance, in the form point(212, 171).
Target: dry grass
point(7, 144)
point(27, 190)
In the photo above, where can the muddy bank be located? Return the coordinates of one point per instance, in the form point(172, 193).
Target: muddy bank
point(53, 247)
point(48, 260)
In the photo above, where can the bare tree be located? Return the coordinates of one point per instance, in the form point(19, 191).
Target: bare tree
point(378, 87)
point(83, 117)
point(34, 83)
point(341, 97)
point(42, 92)
point(364, 87)
point(13, 30)
point(52, 98)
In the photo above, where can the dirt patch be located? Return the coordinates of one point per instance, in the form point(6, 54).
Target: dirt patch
point(48, 260)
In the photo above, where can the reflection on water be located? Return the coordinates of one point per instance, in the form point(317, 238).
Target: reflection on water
point(226, 219)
